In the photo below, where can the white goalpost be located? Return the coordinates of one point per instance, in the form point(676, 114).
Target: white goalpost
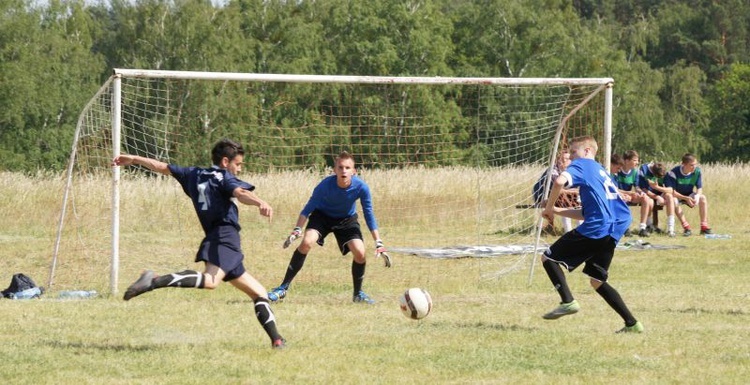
point(451, 161)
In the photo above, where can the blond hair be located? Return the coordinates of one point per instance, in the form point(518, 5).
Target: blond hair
point(586, 141)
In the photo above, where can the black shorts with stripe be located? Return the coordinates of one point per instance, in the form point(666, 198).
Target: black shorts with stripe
point(574, 249)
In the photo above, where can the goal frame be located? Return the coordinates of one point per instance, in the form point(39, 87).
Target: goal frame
point(605, 84)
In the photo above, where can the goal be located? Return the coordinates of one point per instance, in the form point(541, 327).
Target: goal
point(451, 163)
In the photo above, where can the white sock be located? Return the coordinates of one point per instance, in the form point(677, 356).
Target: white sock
point(566, 224)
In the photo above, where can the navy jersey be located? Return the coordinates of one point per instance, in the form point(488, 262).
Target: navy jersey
point(684, 184)
point(627, 180)
point(645, 175)
point(337, 202)
point(211, 190)
point(604, 212)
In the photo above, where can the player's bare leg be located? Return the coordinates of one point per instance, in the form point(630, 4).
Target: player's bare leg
point(703, 212)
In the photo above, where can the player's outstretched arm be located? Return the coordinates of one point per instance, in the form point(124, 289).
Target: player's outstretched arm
point(380, 250)
point(249, 198)
point(572, 213)
point(549, 208)
point(151, 164)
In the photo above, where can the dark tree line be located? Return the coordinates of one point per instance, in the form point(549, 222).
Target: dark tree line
point(681, 68)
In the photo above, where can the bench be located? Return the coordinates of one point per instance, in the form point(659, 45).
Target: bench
point(655, 215)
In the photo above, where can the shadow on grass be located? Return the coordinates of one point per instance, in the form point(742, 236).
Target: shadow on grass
point(693, 310)
point(102, 347)
point(482, 326)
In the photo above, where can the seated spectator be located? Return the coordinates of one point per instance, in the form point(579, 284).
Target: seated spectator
point(615, 165)
point(651, 183)
point(686, 181)
point(627, 183)
point(568, 197)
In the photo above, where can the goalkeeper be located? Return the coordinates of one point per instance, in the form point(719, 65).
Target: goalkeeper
point(332, 209)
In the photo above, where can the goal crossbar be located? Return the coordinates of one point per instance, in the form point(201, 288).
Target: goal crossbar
point(110, 100)
point(288, 78)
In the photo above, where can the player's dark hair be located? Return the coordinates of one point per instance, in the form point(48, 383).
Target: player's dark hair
point(616, 160)
point(343, 155)
point(630, 154)
point(226, 148)
point(688, 158)
point(659, 170)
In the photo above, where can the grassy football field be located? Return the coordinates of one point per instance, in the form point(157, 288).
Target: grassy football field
point(694, 302)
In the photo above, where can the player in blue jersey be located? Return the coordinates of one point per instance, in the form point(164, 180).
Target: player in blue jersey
point(605, 217)
point(627, 181)
point(332, 209)
point(651, 182)
point(214, 192)
point(687, 182)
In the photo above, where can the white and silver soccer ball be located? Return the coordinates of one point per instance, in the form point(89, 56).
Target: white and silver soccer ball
point(415, 303)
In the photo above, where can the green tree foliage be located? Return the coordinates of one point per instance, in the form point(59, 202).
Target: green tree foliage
point(666, 57)
point(48, 73)
point(708, 34)
point(730, 123)
point(686, 111)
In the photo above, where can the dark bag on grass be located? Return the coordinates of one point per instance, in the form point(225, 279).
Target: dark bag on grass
point(20, 283)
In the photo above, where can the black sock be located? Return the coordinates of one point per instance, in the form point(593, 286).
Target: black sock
point(187, 279)
point(556, 275)
point(615, 302)
point(295, 265)
point(266, 318)
point(358, 275)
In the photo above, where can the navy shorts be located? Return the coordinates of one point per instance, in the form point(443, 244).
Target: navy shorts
point(345, 229)
point(222, 248)
point(574, 249)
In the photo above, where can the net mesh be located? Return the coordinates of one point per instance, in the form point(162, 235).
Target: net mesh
point(448, 164)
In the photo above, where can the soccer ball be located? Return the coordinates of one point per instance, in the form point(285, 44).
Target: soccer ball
point(415, 303)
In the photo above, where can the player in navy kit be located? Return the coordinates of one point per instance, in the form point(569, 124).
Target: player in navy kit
point(332, 209)
point(214, 192)
point(605, 217)
point(687, 183)
point(627, 181)
point(651, 182)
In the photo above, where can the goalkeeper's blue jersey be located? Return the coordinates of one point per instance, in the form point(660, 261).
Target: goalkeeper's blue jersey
point(211, 190)
point(604, 212)
point(339, 203)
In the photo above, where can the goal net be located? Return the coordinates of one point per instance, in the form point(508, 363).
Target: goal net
point(450, 161)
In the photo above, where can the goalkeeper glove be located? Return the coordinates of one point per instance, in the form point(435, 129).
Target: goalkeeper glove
point(294, 235)
point(380, 251)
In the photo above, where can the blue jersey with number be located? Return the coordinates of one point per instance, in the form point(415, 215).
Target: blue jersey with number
point(211, 190)
point(604, 212)
point(339, 203)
